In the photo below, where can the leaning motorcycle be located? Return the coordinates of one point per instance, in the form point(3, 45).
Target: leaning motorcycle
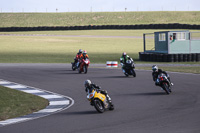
point(163, 81)
point(129, 68)
point(84, 65)
point(74, 65)
point(99, 101)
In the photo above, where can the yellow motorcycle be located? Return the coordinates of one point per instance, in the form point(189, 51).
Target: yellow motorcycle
point(99, 101)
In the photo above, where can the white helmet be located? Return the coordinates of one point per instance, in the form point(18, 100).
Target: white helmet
point(87, 83)
point(155, 68)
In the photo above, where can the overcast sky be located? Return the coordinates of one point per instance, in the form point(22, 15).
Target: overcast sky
point(97, 5)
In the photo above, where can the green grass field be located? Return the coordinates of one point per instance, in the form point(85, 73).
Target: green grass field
point(97, 18)
point(100, 45)
point(59, 49)
point(15, 103)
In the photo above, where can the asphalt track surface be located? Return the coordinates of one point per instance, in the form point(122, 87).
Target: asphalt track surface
point(140, 106)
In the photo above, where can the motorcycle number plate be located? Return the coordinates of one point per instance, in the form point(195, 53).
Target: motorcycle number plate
point(91, 95)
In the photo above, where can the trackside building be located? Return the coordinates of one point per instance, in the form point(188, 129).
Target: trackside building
point(171, 46)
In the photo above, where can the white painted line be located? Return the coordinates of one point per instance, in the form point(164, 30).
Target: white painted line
point(32, 91)
point(4, 82)
point(50, 96)
point(15, 120)
point(15, 86)
point(48, 110)
point(66, 102)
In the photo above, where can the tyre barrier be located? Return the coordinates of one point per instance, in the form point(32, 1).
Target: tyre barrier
point(175, 57)
point(158, 57)
point(94, 27)
point(111, 64)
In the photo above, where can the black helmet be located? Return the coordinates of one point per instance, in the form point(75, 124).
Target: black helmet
point(80, 50)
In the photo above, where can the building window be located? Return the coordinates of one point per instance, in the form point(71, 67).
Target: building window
point(162, 37)
point(181, 36)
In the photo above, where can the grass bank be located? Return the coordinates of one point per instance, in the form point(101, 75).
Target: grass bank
point(15, 103)
point(58, 47)
point(97, 18)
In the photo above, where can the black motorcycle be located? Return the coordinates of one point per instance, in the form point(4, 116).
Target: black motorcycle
point(129, 68)
point(163, 81)
point(74, 65)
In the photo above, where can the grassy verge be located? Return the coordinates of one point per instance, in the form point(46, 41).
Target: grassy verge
point(15, 103)
point(62, 49)
point(97, 18)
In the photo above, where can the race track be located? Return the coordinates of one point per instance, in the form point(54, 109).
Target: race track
point(140, 106)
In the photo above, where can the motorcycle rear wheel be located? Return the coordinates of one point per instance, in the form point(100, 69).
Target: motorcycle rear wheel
point(99, 106)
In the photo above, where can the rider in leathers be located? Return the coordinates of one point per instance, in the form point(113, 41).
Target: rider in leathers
point(123, 60)
point(84, 56)
point(89, 86)
point(78, 56)
point(157, 72)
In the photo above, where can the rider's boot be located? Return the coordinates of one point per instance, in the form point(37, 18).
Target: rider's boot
point(77, 64)
point(124, 72)
point(109, 99)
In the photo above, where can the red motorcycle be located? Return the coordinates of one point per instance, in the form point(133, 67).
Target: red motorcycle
point(84, 65)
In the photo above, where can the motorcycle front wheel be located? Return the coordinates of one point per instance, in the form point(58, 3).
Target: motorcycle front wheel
point(85, 69)
point(73, 67)
point(99, 106)
point(133, 73)
point(166, 88)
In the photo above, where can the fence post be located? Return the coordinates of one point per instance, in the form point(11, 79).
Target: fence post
point(144, 42)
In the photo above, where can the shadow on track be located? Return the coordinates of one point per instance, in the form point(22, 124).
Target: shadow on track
point(62, 71)
point(82, 113)
point(149, 94)
point(118, 77)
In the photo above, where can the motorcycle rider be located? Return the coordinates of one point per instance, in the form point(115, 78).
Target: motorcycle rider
point(89, 86)
point(78, 56)
point(123, 60)
point(83, 56)
point(157, 72)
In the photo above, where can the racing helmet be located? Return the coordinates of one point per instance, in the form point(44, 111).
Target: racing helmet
point(124, 54)
point(84, 52)
point(80, 50)
point(154, 68)
point(87, 83)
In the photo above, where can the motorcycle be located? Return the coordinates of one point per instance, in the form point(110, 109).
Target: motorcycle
point(129, 68)
point(99, 101)
point(163, 81)
point(84, 65)
point(74, 65)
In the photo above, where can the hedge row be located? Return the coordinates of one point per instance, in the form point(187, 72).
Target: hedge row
point(94, 27)
point(157, 57)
